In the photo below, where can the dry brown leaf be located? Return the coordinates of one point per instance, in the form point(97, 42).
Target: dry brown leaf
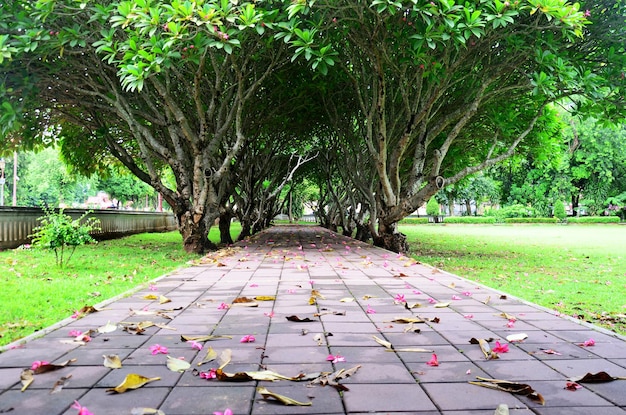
point(132, 381)
point(265, 393)
point(232, 377)
point(297, 319)
point(59, 384)
point(52, 367)
point(242, 300)
point(408, 320)
point(112, 361)
point(512, 387)
point(600, 377)
point(486, 349)
point(508, 316)
point(204, 338)
point(27, 377)
point(317, 294)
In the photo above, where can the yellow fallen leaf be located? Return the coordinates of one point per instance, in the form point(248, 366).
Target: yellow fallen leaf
point(367, 297)
point(146, 411)
point(225, 358)
point(132, 381)
point(150, 297)
point(265, 298)
point(204, 338)
point(26, 377)
point(411, 349)
point(177, 365)
point(265, 393)
point(107, 328)
point(210, 356)
point(112, 361)
point(441, 305)
point(163, 299)
point(347, 300)
point(383, 342)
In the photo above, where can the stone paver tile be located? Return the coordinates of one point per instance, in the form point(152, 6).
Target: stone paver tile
point(544, 351)
point(517, 371)
point(512, 411)
point(296, 339)
point(422, 339)
point(385, 398)
point(23, 357)
point(575, 368)
point(143, 356)
point(277, 355)
point(78, 377)
point(556, 396)
point(10, 377)
point(33, 402)
point(365, 354)
point(611, 391)
point(324, 400)
point(100, 402)
point(350, 327)
point(445, 372)
point(445, 353)
point(464, 396)
point(571, 410)
point(388, 373)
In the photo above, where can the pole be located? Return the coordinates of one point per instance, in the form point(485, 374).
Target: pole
point(15, 178)
point(2, 180)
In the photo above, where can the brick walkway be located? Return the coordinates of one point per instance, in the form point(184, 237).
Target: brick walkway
point(351, 279)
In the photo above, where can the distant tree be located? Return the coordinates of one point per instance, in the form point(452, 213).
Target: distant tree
point(124, 187)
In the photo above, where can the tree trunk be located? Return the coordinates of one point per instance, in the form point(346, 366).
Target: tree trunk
point(363, 232)
point(389, 238)
point(246, 229)
point(225, 218)
point(468, 207)
point(195, 233)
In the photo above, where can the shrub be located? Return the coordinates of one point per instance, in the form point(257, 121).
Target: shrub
point(594, 219)
point(531, 220)
point(469, 219)
point(58, 231)
point(432, 207)
point(559, 211)
point(414, 221)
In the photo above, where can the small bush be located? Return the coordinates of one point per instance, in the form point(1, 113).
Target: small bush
point(531, 220)
point(58, 231)
point(414, 221)
point(469, 219)
point(432, 207)
point(594, 219)
point(559, 211)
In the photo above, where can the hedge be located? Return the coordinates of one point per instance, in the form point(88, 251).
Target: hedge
point(469, 219)
point(531, 220)
point(414, 221)
point(594, 219)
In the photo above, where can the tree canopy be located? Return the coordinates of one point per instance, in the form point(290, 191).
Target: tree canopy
point(420, 93)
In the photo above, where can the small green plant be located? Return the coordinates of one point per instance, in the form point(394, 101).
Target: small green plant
point(559, 211)
point(432, 207)
point(58, 232)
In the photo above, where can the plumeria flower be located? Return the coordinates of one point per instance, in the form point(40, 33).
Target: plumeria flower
point(571, 386)
point(468, 316)
point(82, 410)
point(385, 264)
point(433, 361)
point(370, 310)
point(432, 301)
point(194, 344)
point(469, 372)
point(334, 358)
point(590, 342)
point(311, 282)
point(227, 411)
point(467, 293)
point(211, 374)
point(291, 291)
point(587, 13)
point(248, 338)
point(254, 285)
point(223, 306)
point(400, 298)
point(456, 297)
point(75, 333)
point(157, 348)
point(76, 314)
point(500, 348)
point(510, 324)
point(38, 363)
point(417, 292)
point(270, 314)
point(152, 287)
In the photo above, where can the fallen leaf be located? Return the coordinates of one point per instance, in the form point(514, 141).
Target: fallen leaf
point(487, 300)
point(232, 377)
point(516, 337)
point(132, 381)
point(204, 338)
point(210, 356)
point(486, 349)
point(26, 377)
point(508, 316)
point(177, 365)
point(265, 298)
point(224, 358)
point(502, 409)
point(59, 384)
point(49, 367)
point(383, 342)
point(146, 411)
point(163, 299)
point(150, 297)
point(441, 305)
point(319, 339)
point(408, 320)
point(347, 300)
point(367, 297)
point(242, 300)
point(265, 393)
point(512, 387)
point(297, 319)
point(411, 349)
point(112, 361)
point(107, 328)
point(600, 377)
point(332, 379)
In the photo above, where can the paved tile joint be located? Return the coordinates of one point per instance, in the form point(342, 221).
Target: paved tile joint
point(347, 293)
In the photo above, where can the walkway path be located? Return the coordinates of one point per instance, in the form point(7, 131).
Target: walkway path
point(358, 292)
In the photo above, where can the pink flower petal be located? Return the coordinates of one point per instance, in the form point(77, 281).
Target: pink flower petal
point(433, 361)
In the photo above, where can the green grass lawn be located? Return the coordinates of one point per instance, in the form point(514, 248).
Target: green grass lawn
point(35, 293)
point(579, 270)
